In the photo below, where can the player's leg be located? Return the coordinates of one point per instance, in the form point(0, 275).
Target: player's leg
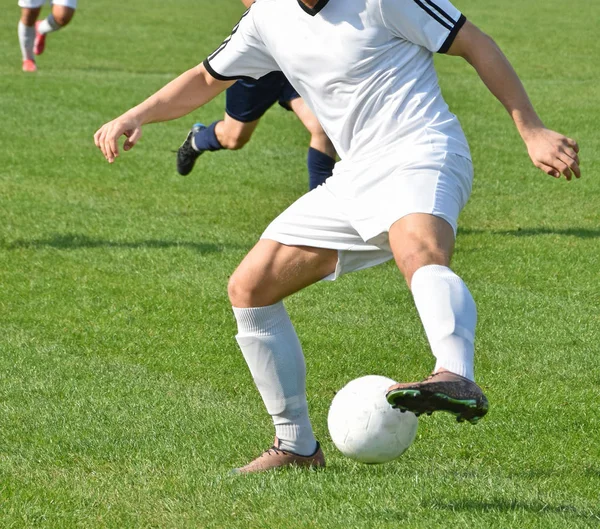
point(30, 10)
point(270, 346)
point(228, 133)
point(422, 245)
point(321, 152)
point(246, 103)
point(306, 243)
point(62, 13)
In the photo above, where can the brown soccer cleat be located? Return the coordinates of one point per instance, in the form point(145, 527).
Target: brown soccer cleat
point(441, 391)
point(274, 457)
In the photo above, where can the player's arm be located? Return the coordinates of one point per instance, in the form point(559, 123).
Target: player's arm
point(190, 90)
point(247, 3)
point(550, 151)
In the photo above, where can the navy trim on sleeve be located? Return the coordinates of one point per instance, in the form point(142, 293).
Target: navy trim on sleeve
point(450, 39)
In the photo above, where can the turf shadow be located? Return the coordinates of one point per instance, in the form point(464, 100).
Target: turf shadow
point(582, 233)
point(75, 242)
point(505, 505)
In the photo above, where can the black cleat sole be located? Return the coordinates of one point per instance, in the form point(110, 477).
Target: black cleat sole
point(419, 402)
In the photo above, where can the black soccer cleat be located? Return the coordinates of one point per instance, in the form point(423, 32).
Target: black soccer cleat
point(442, 391)
point(186, 154)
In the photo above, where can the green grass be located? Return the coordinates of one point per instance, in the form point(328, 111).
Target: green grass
point(124, 400)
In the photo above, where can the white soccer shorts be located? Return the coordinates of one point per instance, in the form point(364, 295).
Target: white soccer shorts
point(355, 208)
point(34, 4)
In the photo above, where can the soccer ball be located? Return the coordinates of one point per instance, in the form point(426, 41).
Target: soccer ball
point(363, 426)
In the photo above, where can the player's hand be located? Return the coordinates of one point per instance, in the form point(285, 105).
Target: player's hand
point(554, 153)
point(107, 136)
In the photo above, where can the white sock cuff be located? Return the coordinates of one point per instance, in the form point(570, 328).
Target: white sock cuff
point(426, 272)
point(462, 367)
point(262, 321)
point(48, 25)
point(24, 29)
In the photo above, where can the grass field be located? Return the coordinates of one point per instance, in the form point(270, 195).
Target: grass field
point(124, 400)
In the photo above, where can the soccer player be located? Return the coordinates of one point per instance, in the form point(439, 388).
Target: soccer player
point(365, 67)
point(32, 33)
point(246, 102)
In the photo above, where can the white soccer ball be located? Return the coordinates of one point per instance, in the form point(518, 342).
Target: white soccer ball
point(363, 426)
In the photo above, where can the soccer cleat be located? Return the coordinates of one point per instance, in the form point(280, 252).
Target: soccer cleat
point(441, 391)
point(40, 40)
point(29, 65)
point(186, 154)
point(274, 457)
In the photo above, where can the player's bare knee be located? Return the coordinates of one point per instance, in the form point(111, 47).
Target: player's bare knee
point(410, 262)
point(243, 291)
point(63, 16)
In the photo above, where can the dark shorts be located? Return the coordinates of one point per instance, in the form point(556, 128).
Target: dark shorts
point(249, 100)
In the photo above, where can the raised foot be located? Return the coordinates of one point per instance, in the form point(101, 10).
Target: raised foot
point(442, 391)
point(186, 154)
point(39, 44)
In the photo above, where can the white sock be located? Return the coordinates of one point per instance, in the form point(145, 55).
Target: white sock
point(449, 316)
point(273, 353)
point(26, 40)
point(48, 25)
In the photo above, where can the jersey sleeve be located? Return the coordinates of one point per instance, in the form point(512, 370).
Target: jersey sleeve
point(242, 55)
point(432, 24)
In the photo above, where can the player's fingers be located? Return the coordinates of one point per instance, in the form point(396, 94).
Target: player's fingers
point(563, 168)
point(132, 138)
point(571, 164)
point(96, 138)
point(573, 144)
point(112, 145)
point(101, 142)
point(548, 170)
point(570, 152)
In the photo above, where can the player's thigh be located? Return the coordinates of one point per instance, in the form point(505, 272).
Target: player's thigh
point(272, 271)
point(71, 4)
point(306, 116)
point(421, 239)
point(29, 15)
point(31, 5)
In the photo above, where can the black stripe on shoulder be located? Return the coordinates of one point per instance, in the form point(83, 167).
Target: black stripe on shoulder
point(433, 15)
point(441, 12)
point(226, 41)
point(450, 39)
point(220, 77)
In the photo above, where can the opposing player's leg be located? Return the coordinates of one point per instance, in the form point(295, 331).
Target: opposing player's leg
point(246, 103)
point(30, 10)
point(422, 245)
point(268, 340)
point(228, 133)
point(62, 13)
point(321, 152)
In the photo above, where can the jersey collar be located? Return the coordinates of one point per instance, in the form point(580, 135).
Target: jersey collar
point(312, 11)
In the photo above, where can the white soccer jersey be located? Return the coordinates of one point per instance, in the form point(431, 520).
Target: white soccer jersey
point(365, 67)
